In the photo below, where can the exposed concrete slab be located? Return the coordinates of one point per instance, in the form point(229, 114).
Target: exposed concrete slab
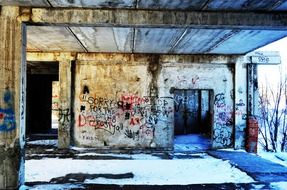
point(47, 38)
point(129, 31)
point(156, 40)
point(248, 40)
point(200, 40)
point(28, 3)
point(94, 4)
point(149, 40)
point(105, 39)
point(260, 169)
point(243, 5)
point(282, 7)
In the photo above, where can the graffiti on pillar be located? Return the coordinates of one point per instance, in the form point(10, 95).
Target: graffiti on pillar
point(240, 109)
point(222, 134)
point(64, 116)
point(223, 121)
point(7, 114)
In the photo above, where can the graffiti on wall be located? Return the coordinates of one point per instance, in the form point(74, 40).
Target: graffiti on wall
point(130, 115)
point(7, 115)
point(183, 81)
point(180, 100)
point(223, 119)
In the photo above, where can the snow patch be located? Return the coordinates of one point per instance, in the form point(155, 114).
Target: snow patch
point(43, 142)
point(52, 187)
point(279, 157)
point(129, 156)
point(279, 185)
point(146, 172)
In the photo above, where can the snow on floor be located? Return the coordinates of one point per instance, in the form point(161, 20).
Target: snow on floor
point(129, 156)
point(191, 142)
point(153, 172)
point(279, 185)
point(43, 142)
point(52, 187)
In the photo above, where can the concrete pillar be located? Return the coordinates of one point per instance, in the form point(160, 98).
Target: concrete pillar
point(65, 102)
point(240, 103)
point(252, 109)
point(12, 84)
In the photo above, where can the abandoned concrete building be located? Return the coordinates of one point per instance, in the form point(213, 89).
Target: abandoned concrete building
point(130, 74)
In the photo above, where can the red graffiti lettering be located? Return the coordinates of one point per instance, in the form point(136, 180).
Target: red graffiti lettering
point(82, 121)
point(135, 121)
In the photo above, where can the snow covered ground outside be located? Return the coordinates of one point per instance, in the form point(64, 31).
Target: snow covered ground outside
point(148, 172)
point(277, 157)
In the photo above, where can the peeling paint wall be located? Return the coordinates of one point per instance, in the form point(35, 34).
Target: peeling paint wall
point(128, 101)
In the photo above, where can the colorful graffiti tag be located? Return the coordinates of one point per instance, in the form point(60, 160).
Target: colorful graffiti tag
point(131, 115)
point(7, 114)
point(223, 121)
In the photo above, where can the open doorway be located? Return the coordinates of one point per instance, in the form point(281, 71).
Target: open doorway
point(192, 119)
point(42, 96)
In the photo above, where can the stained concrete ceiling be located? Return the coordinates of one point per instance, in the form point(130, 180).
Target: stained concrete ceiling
point(148, 40)
point(167, 40)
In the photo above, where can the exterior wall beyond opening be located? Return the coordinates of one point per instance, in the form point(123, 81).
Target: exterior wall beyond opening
point(127, 100)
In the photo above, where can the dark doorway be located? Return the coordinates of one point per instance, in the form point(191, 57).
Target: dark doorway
point(192, 119)
point(192, 111)
point(40, 77)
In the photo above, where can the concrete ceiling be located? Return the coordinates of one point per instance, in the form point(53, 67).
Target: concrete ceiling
point(148, 40)
point(214, 5)
point(167, 40)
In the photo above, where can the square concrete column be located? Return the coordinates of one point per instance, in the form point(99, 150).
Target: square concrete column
point(240, 92)
point(12, 99)
point(65, 103)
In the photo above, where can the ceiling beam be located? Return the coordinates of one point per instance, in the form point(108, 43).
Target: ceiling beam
point(77, 39)
point(162, 19)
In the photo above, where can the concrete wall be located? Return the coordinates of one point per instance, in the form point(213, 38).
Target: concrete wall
point(12, 97)
point(128, 101)
point(114, 104)
point(215, 75)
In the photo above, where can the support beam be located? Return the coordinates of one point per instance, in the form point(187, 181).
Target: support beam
point(148, 18)
point(12, 99)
